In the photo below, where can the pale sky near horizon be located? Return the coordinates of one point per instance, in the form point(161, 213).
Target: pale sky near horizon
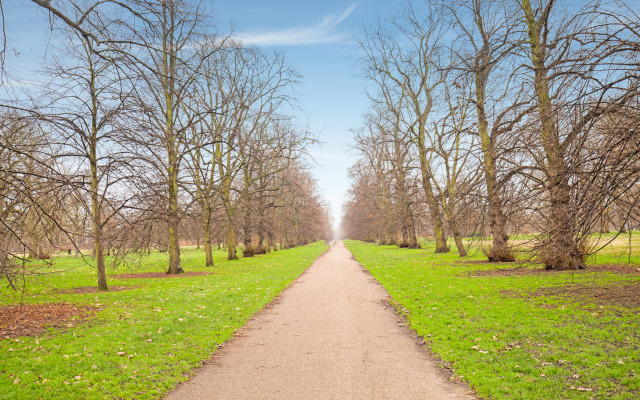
point(317, 40)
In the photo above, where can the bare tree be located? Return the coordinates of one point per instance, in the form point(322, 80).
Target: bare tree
point(32, 194)
point(579, 76)
point(488, 37)
point(85, 99)
point(168, 67)
point(246, 87)
point(453, 148)
point(402, 58)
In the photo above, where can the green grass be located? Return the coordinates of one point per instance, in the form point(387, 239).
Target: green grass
point(504, 338)
point(164, 327)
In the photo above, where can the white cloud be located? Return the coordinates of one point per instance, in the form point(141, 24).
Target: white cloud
point(323, 32)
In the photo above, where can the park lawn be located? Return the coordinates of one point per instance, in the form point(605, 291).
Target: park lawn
point(523, 334)
point(142, 341)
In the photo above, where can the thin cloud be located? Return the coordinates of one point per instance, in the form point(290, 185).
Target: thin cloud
point(323, 32)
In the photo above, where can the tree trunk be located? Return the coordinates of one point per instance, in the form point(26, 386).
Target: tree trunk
point(560, 251)
point(500, 251)
point(260, 245)
point(450, 210)
point(102, 276)
point(408, 226)
point(261, 222)
point(175, 266)
point(247, 233)
point(97, 225)
point(272, 244)
point(98, 244)
point(413, 239)
point(404, 232)
point(230, 213)
point(497, 221)
point(206, 227)
point(168, 83)
point(434, 208)
point(457, 237)
point(411, 227)
point(4, 259)
point(231, 243)
point(406, 217)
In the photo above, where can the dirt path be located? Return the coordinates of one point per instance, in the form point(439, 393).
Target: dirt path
point(330, 336)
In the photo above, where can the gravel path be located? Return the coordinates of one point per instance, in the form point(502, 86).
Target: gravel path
point(329, 336)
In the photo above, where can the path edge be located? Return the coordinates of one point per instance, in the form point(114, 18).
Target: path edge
point(444, 368)
point(219, 352)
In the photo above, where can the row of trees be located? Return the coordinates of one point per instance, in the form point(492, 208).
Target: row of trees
point(147, 121)
point(516, 115)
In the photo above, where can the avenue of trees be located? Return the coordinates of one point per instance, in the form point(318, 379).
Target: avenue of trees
point(498, 117)
point(147, 129)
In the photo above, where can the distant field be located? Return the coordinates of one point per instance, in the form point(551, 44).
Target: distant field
point(143, 337)
point(609, 247)
point(519, 332)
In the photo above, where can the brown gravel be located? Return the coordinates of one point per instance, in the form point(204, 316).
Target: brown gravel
point(32, 319)
point(331, 335)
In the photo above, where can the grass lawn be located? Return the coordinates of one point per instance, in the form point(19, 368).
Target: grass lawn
point(140, 341)
point(520, 333)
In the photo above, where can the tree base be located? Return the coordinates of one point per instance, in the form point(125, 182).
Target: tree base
point(260, 250)
point(176, 272)
point(500, 256)
point(564, 263)
point(444, 249)
point(494, 255)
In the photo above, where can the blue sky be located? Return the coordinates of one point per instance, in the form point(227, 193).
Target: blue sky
point(317, 39)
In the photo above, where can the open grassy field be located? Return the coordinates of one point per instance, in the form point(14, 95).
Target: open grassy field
point(607, 247)
point(519, 332)
point(147, 334)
